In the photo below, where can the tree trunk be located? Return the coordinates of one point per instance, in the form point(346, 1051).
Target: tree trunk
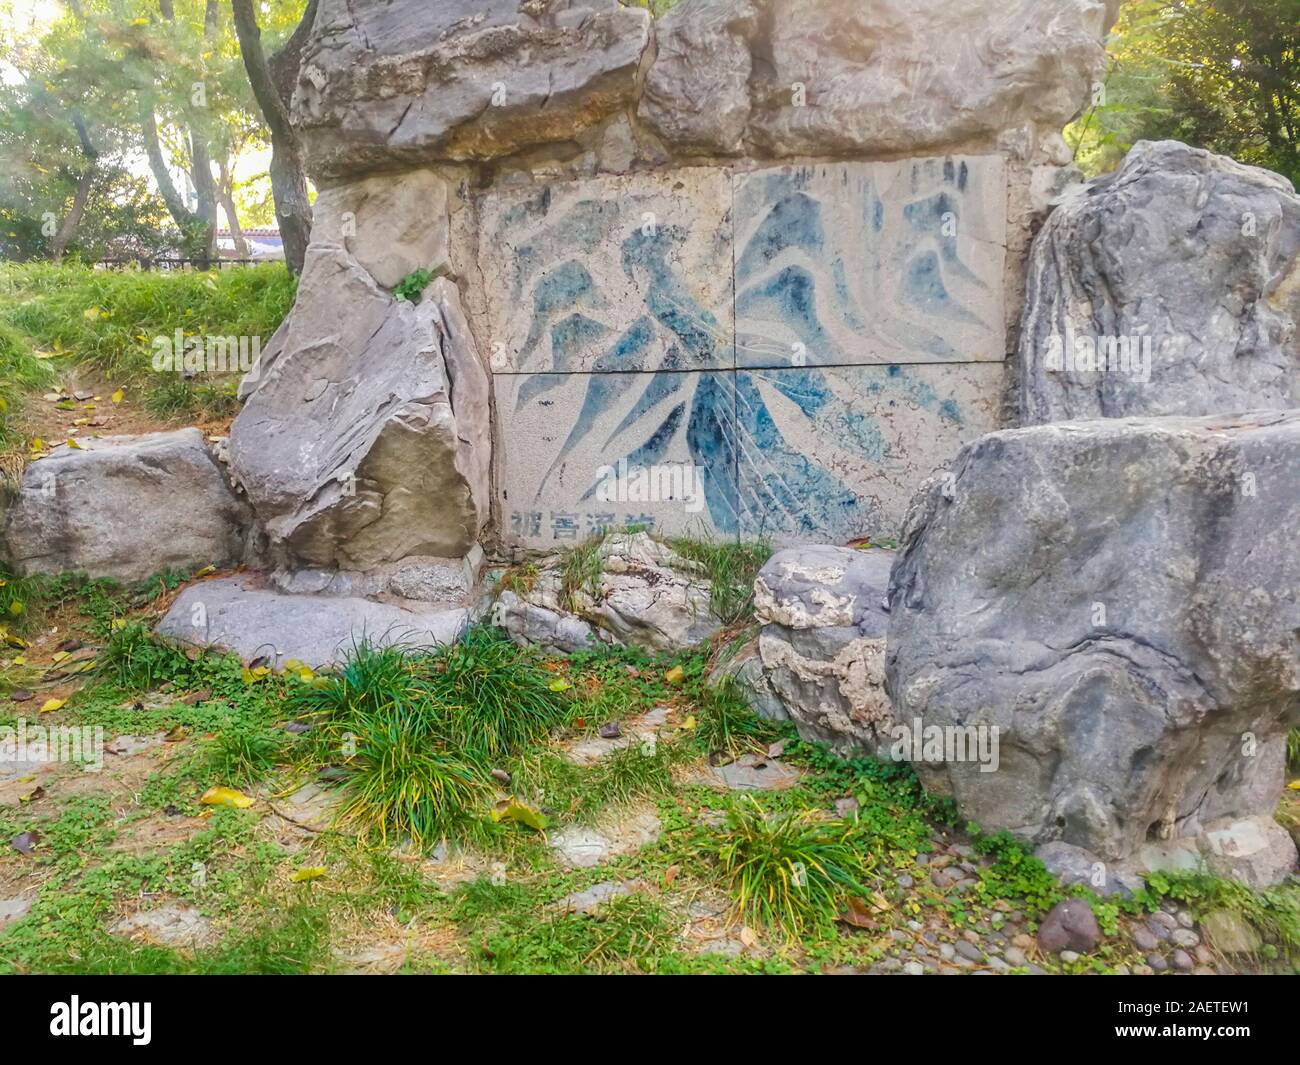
point(288, 172)
point(73, 218)
point(85, 183)
point(225, 193)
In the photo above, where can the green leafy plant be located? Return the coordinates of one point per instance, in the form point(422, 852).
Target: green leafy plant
point(134, 661)
point(492, 697)
point(789, 870)
point(414, 283)
point(730, 569)
point(725, 721)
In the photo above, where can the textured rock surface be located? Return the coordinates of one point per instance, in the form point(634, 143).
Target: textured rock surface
point(822, 645)
point(647, 596)
point(890, 76)
point(243, 615)
point(1186, 258)
point(1069, 925)
point(1119, 598)
point(392, 224)
point(126, 507)
point(366, 438)
point(396, 82)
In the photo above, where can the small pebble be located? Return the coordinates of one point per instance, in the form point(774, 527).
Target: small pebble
point(1143, 970)
point(1069, 957)
point(1183, 961)
point(1157, 962)
point(1182, 937)
point(970, 951)
point(914, 968)
point(1015, 956)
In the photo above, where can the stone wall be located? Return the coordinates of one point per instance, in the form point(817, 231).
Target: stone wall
point(777, 243)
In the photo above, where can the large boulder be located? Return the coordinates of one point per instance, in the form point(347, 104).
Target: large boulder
point(822, 77)
point(1169, 287)
point(365, 438)
point(822, 645)
point(245, 616)
point(1115, 603)
point(392, 83)
point(126, 507)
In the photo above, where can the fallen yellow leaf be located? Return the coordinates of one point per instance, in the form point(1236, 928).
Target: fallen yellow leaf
point(50, 705)
point(118, 396)
point(675, 675)
point(220, 796)
point(311, 872)
point(75, 446)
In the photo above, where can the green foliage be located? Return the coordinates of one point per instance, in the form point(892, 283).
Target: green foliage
point(725, 722)
point(417, 735)
point(1015, 873)
point(133, 661)
point(495, 698)
point(1293, 750)
point(110, 319)
point(412, 285)
point(790, 870)
point(1274, 912)
point(1217, 74)
point(580, 571)
point(731, 569)
point(628, 934)
point(20, 372)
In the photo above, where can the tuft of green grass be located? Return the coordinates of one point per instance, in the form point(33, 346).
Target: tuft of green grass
point(494, 698)
point(726, 723)
point(20, 372)
point(241, 753)
point(134, 661)
point(730, 569)
point(417, 735)
point(1293, 750)
point(403, 786)
point(580, 572)
point(792, 871)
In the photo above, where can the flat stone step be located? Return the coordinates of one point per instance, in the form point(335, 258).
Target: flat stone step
point(243, 615)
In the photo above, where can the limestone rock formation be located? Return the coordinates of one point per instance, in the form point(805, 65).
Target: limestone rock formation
point(1119, 599)
point(390, 83)
point(244, 615)
point(822, 646)
point(645, 595)
point(126, 507)
point(1180, 273)
point(366, 438)
point(802, 77)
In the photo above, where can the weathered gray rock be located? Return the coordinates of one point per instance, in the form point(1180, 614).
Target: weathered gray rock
point(175, 924)
point(366, 439)
point(646, 596)
point(126, 507)
point(391, 224)
point(1181, 274)
point(809, 77)
point(1118, 599)
point(244, 616)
point(1255, 850)
point(822, 645)
point(744, 666)
point(1229, 933)
point(423, 578)
point(696, 94)
point(399, 82)
point(1074, 865)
